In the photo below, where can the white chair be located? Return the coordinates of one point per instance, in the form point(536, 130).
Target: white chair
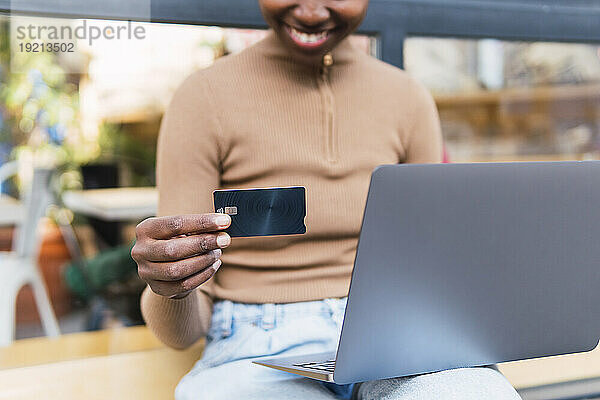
point(19, 266)
point(12, 212)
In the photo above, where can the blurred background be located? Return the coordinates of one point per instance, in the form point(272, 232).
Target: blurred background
point(78, 139)
point(498, 101)
point(95, 129)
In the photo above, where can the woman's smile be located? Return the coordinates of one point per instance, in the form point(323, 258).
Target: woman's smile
point(307, 40)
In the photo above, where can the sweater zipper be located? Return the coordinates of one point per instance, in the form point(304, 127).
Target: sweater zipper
point(328, 108)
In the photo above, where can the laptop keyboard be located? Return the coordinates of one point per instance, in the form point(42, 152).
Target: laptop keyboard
point(324, 366)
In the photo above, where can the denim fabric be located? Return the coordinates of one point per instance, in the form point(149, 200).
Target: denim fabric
point(243, 332)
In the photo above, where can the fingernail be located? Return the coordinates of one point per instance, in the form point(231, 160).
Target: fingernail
point(223, 240)
point(223, 220)
point(217, 265)
point(218, 253)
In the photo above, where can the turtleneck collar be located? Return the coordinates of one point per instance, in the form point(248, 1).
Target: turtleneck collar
point(272, 47)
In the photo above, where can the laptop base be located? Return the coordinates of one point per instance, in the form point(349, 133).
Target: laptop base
point(316, 366)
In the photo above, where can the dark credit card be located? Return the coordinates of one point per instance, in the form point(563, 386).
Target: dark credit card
point(263, 212)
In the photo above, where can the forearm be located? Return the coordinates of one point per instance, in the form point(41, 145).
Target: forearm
point(178, 323)
point(187, 173)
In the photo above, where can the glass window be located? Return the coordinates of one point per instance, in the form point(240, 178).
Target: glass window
point(509, 101)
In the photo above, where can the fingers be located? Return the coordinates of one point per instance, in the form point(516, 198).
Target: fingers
point(173, 226)
point(171, 289)
point(177, 254)
point(179, 270)
point(180, 248)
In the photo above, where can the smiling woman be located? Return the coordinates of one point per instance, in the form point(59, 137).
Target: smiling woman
point(302, 107)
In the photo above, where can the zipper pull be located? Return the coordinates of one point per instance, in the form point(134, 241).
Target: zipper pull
point(327, 62)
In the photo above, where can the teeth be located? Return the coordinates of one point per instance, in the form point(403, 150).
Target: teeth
point(308, 38)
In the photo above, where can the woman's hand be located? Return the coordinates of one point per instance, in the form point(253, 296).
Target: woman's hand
point(177, 254)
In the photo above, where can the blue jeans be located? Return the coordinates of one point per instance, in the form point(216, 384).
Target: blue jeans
point(240, 333)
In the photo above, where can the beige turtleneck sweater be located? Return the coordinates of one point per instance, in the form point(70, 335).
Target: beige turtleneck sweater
point(259, 119)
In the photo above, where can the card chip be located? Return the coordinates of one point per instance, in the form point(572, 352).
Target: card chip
point(231, 210)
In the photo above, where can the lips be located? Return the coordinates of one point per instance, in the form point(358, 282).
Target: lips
point(308, 40)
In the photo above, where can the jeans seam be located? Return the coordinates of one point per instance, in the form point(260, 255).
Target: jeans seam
point(269, 316)
point(227, 318)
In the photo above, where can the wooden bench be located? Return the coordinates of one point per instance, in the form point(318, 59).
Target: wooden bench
point(127, 363)
point(131, 364)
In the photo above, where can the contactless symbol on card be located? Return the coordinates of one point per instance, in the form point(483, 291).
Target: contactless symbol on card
point(263, 212)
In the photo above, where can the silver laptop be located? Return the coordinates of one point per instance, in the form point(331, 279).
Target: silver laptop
point(468, 265)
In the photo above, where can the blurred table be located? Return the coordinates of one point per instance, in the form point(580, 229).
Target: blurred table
point(119, 204)
point(12, 211)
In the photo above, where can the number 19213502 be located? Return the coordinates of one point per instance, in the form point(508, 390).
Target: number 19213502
point(47, 47)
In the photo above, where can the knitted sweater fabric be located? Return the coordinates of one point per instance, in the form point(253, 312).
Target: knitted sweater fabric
point(260, 119)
